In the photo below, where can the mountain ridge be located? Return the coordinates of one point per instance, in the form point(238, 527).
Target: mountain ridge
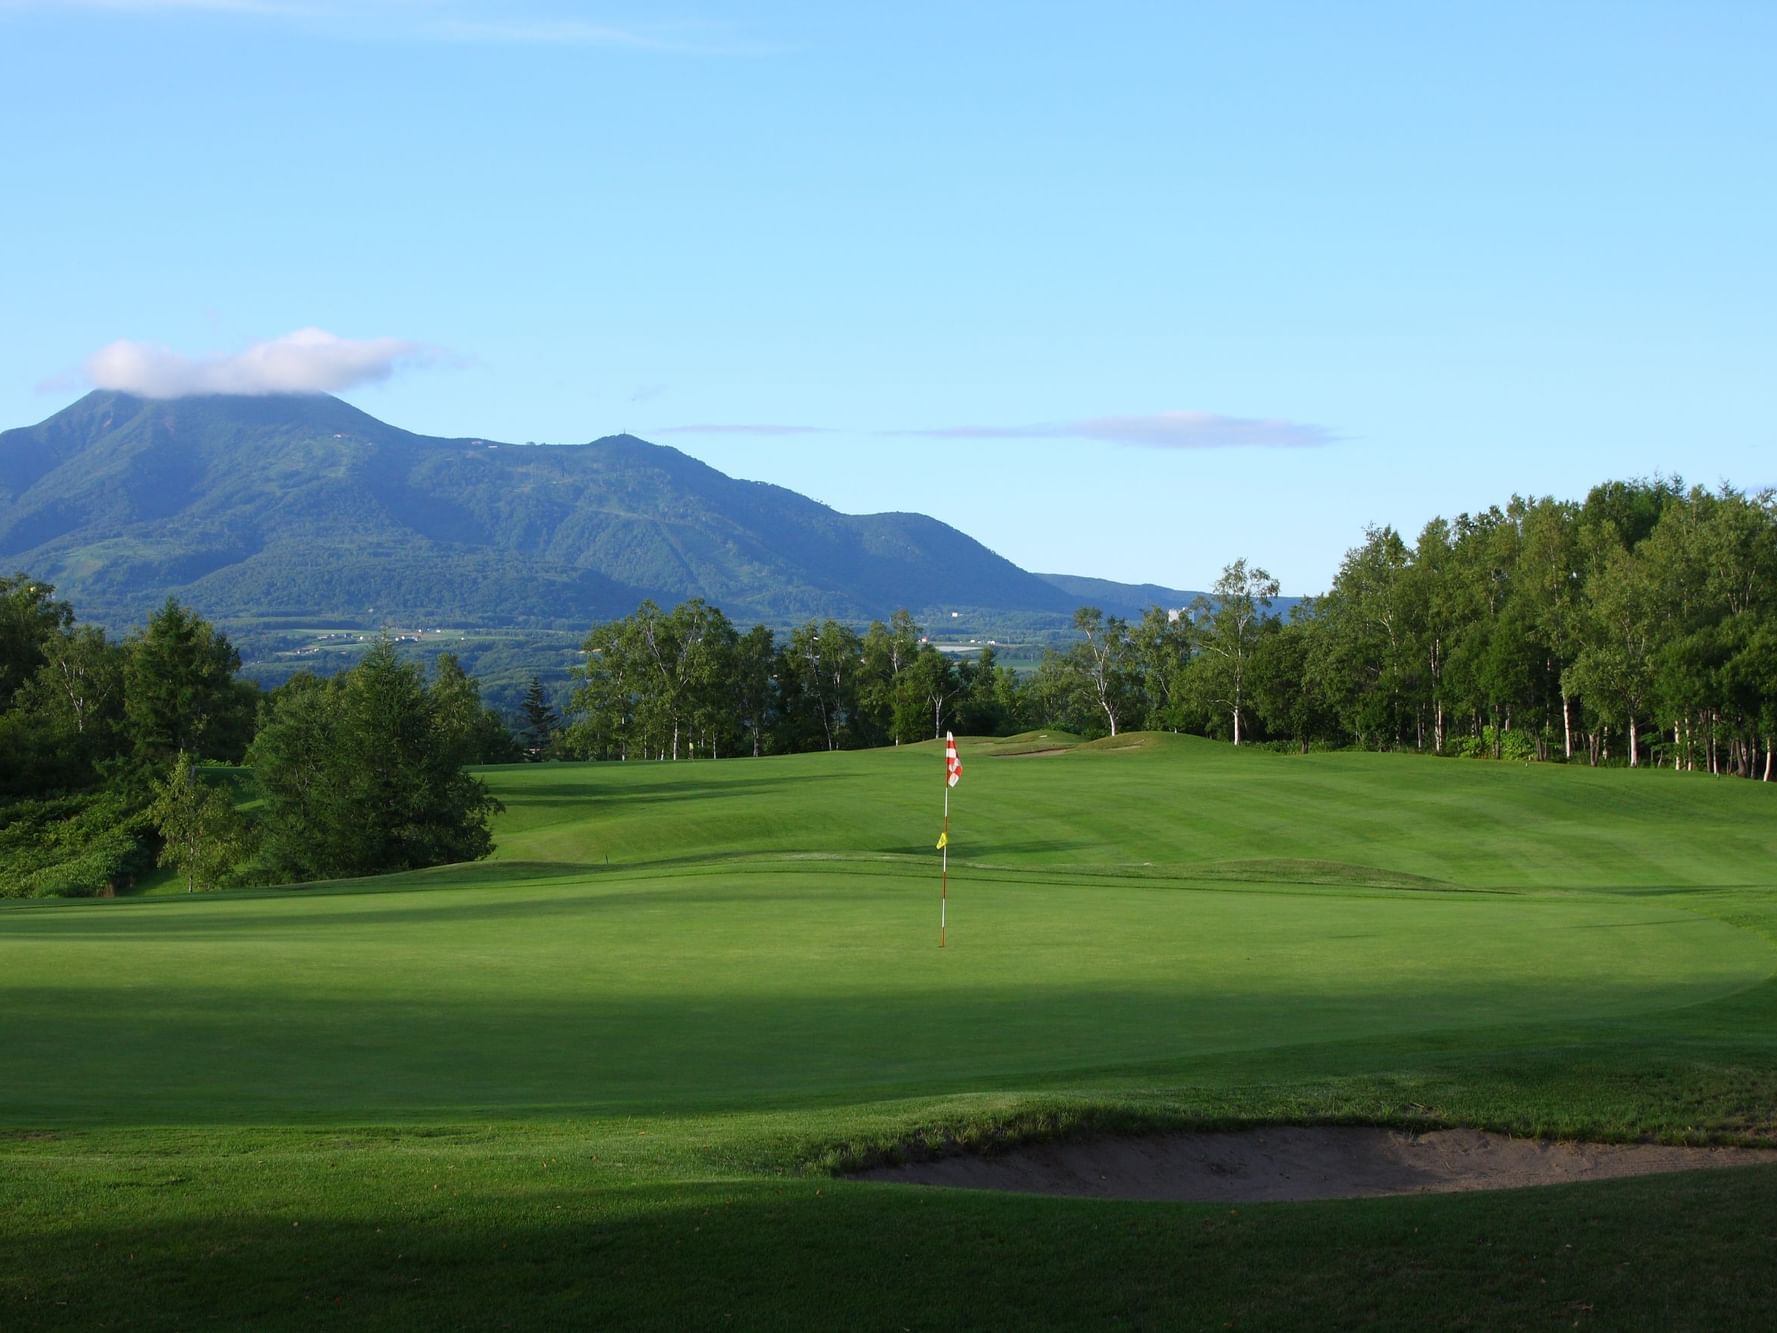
point(304, 506)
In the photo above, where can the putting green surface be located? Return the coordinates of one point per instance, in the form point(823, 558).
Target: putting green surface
point(763, 985)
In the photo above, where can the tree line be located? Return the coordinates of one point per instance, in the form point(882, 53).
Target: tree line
point(121, 754)
point(1638, 625)
point(686, 683)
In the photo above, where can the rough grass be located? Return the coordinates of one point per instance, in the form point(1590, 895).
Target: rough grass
point(605, 1078)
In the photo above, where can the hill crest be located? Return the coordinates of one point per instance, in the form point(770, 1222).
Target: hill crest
point(305, 506)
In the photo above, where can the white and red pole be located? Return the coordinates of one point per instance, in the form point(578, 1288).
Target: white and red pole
point(953, 774)
point(944, 846)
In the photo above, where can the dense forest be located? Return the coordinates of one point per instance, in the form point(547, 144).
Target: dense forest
point(121, 755)
point(1638, 626)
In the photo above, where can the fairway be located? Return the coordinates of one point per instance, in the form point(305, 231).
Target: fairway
point(728, 973)
point(773, 985)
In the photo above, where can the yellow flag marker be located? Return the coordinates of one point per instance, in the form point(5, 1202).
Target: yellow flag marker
point(943, 841)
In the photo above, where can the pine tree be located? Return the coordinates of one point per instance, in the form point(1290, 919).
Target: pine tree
point(363, 774)
point(540, 721)
point(180, 691)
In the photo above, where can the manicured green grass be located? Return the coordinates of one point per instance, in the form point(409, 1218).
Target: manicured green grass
point(602, 1077)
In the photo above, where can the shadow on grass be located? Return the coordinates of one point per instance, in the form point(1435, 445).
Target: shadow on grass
point(491, 1251)
point(459, 1046)
point(444, 911)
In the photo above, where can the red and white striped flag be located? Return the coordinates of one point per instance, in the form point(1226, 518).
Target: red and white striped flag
point(952, 765)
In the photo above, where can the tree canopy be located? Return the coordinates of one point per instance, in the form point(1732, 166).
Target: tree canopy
point(363, 773)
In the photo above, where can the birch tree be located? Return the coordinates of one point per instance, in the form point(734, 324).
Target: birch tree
point(1228, 623)
point(1103, 662)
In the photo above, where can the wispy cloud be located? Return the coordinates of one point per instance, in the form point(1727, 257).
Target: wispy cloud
point(306, 361)
point(537, 23)
point(1155, 430)
point(741, 428)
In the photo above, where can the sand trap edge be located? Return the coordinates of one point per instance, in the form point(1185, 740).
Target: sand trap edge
point(1297, 1163)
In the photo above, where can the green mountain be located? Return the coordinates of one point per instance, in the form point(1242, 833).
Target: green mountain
point(304, 509)
point(1128, 600)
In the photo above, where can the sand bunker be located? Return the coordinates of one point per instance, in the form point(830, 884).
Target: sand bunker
point(1293, 1163)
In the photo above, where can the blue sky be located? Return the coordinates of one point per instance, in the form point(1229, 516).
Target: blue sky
point(1125, 289)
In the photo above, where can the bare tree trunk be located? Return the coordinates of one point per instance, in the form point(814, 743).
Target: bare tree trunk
point(1567, 723)
point(1634, 749)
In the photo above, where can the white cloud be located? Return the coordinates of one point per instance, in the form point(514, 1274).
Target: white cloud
point(1156, 430)
point(306, 361)
point(1202, 430)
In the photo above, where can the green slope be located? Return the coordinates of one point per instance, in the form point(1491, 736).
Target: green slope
point(595, 1079)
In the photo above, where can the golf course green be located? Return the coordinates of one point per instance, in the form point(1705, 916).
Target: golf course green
point(607, 1076)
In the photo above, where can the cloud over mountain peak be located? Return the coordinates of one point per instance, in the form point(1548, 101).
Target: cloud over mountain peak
point(305, 361)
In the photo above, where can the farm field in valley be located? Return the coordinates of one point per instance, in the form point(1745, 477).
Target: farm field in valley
point(608, 1074)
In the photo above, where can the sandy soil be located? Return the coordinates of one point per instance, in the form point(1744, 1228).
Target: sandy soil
point(1290, 1163)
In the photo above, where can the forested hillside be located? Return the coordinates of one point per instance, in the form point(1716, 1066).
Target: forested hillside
point(301, 507)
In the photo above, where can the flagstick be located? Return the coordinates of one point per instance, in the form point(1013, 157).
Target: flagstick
point(944, 884)
point(953, 770)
